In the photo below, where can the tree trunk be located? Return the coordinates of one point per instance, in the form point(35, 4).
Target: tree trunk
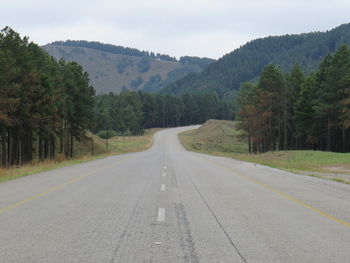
point(328, 134)
point(52, 147)
point(249, 144)
point(66, 137)
point(30, 147)
point(9, 146)
point(46, 149)
point(285, 125)
point(3, 148)
point(61, 144)
point(344, 139)
point(40, 148)
point(71, 145)
point(92, 144)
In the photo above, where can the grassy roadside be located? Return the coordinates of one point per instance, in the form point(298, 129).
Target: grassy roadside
point(222, 138)
point(116, 146)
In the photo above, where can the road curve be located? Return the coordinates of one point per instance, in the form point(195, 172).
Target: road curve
point(169, 205)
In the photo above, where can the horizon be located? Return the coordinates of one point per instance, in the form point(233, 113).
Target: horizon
point(154, 51)
point(202, 28)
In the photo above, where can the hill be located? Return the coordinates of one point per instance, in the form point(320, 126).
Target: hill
point(115, 68)
point(246, 63)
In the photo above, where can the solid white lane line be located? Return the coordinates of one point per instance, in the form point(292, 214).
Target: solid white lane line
point(164, 174)
point(162, 187)
point(161, 214)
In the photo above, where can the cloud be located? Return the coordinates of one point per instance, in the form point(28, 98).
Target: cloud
point(179, 27)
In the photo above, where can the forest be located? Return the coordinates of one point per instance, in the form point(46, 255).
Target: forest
point(44, 104)
point(226, 75)
point(131, 112)
point(293, 111)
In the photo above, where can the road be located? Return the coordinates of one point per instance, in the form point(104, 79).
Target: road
point(169, 205)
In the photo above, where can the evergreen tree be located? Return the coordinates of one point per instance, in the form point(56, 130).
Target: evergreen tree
point(288, 111)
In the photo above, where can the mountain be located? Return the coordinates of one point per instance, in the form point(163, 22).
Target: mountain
point(115, 68)
point(246, 63)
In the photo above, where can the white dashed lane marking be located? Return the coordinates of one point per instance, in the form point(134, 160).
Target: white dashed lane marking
point(161, 214)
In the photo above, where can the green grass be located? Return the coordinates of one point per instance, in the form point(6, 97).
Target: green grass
point(316, 161)
point(82, 153)
point(223, 139)
point(215, 136)
point(339, 180)
point(37, 167)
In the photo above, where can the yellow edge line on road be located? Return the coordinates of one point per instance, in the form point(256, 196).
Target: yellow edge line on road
point(55, 188)
point(291, 198)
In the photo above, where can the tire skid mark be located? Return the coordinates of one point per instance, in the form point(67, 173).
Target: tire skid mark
point(123, 235)
point(186, 239)
point(172, 177)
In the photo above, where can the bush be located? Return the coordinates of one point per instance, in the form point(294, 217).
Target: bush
point(136, 82)
point(144, 65)
point(104, 134)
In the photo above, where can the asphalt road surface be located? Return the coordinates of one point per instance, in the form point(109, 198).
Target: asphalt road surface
point(170, 205)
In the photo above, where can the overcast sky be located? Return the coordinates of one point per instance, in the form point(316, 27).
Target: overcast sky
point(209, 28)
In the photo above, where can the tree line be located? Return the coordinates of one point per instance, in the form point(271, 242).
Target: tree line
point(201, 62)
point(293, 111)
point(113, 49)
point(131, 112)
point(226, 75)
point(185, 60)
point(42, 102)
